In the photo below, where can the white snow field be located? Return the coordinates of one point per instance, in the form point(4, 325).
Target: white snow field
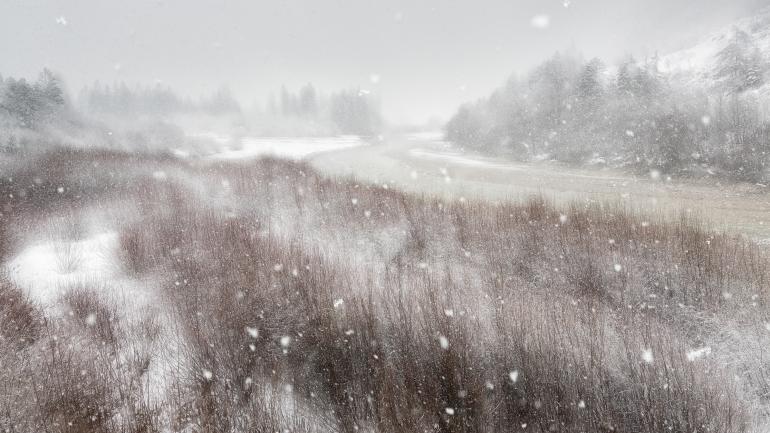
point(295, 148)
point(460, 158)
point(46, 270)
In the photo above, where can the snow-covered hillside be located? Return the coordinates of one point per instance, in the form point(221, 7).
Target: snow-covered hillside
point(698, 65)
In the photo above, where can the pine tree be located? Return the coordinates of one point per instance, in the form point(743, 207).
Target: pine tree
point(589, 87)
point(308, 104)
point(625, 79)
point(740, 65)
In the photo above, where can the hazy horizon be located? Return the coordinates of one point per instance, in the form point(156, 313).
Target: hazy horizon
point(422, 60)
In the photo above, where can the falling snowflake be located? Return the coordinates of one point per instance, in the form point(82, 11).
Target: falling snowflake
point(253, 332)
point(647, 356)
point(698, 353)
point(62, 20)
point(514, 376)
point(540, 21)
point(443, 342)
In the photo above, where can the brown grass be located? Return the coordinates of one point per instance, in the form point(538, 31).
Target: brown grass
point(311, 304)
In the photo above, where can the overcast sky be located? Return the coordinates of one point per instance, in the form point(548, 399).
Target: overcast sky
point(429, 55)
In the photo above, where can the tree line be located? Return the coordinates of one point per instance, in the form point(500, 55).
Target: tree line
point(29, 104)
point(578, 111)
point(33, 104)
point(349, 111)
point(120, 99)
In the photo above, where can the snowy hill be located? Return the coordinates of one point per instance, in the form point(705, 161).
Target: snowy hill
point(698, 65)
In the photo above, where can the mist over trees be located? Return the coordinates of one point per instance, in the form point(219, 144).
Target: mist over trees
point(120, 99)
point(305, 111)
point(349, 111)
point(39, 113)
point(581, 111)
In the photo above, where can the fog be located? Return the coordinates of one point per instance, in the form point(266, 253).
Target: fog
point(423, 58)
point(357, 216)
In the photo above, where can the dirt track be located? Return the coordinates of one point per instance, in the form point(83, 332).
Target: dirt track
point(425, 165)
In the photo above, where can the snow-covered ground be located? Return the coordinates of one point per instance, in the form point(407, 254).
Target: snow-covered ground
point(48, 270)
point(423, 167)
point(461, 159)
point(426, 136)
point(296, 148)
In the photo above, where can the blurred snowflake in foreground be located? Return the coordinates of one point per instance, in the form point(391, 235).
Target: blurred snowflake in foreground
point(541, 21)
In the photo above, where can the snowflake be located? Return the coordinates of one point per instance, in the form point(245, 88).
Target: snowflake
point(443, 342)
point(540, 21)
point(253, 332)
point(514, 376)
point(698, 353)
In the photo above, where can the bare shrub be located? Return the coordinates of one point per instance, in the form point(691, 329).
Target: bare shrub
point(314, 304)
point(20, 321)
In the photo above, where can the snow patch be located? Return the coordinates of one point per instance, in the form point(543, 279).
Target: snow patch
point(460, 159)
point(295, 148)
point(46, 270)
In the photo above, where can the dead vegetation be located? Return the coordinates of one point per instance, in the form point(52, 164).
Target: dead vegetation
point(309, 304)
